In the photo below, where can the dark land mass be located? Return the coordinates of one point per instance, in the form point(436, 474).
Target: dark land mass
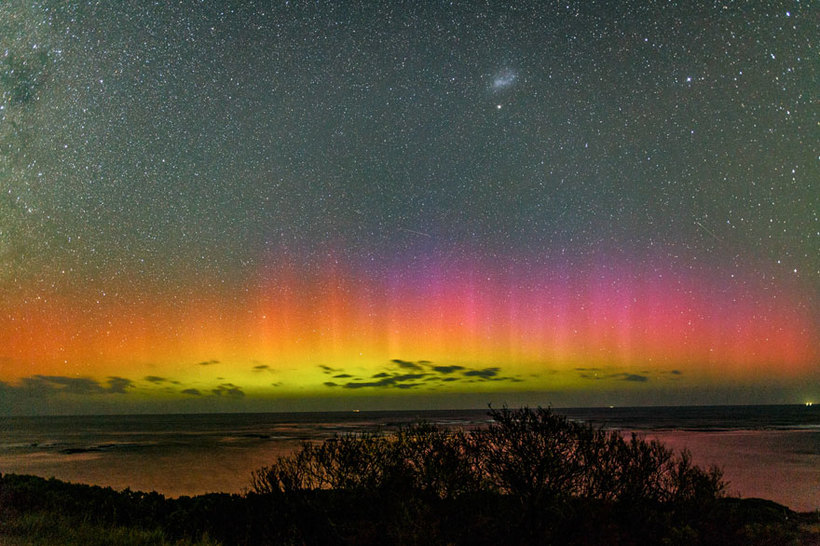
point(531, 477)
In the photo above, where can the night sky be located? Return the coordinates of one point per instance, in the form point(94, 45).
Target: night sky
point(226, 206)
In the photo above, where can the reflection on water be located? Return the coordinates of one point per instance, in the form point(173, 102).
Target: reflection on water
point(770, 452)
point(780, 465)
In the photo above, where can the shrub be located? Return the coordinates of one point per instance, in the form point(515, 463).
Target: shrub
point(530, 476)
point(420, 457)
point(533, 455)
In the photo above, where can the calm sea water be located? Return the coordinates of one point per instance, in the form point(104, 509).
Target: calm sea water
point(765, 451)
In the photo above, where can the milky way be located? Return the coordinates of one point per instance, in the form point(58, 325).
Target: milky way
point(534, 189)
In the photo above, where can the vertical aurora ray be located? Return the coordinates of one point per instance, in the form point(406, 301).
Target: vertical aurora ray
point(462, 314)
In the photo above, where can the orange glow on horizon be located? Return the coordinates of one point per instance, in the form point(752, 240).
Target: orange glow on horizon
point(296, 322)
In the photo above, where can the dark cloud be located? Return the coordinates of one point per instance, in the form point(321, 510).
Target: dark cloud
point(261, 367)
point(421, 373)
point(399, 381)
point(357, 385)
point(45, 385)
point(617, 376)
point(447, 369)
point(386, 382)
point(676, 372)
point(155, 379)
point(424, 375)
point(631, 377)
point(208, 362)
point(328, 370)
point(486, 373)
point(229, 390)
point(406, 364)
point(192, 392)
point(53, 384)
point(119, 385)
point(409, 376)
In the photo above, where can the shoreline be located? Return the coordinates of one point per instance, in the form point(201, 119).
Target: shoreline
point(218, 453)
point(529, 476)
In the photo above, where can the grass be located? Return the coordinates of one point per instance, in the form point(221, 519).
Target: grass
point(49, 528)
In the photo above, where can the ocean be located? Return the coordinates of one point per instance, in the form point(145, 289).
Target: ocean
point(770, 452)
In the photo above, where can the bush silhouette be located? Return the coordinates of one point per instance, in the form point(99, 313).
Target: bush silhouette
point(421, 457)
point(533, 455)
point(528, 477)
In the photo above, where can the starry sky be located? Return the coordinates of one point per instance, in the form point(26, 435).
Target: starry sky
point(234, 206)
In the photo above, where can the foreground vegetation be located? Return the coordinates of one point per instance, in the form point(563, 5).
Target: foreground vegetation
point(531, 477)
